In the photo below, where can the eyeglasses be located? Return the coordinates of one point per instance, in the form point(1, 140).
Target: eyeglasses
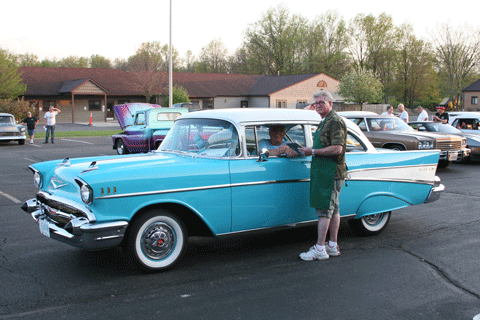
point(320, 104)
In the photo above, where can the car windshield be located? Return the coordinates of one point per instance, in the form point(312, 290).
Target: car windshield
point(6, 120)
point(441, 127)
point(202, 137)
point(387, 124)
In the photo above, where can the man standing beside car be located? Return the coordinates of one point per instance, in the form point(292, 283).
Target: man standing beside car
point(50, 121)
point(441, 116)
point(327, 175)
point(31, 123)
point(423, 115)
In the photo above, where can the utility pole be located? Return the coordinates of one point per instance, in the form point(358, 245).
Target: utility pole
point(170, 72)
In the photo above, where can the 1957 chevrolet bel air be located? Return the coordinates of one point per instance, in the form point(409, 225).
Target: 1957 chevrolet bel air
point(208, 178)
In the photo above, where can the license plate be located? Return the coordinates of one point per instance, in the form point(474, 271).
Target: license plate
point(44, 229)
point(452, 156)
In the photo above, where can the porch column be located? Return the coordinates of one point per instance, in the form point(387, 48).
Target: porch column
point(73, 107)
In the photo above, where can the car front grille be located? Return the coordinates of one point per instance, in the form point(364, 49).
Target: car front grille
point(446, 145)
point(58, 211)
point(9, 134)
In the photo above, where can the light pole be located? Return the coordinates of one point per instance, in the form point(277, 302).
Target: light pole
point(170, 76)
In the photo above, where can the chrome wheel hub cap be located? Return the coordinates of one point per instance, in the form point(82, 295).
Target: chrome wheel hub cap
point(158, 241)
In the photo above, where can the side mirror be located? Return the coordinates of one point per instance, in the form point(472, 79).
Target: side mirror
point(264, 154)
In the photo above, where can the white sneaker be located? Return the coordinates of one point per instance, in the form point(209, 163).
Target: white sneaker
point(332, 251)
point(31, 142)
point(314, 254)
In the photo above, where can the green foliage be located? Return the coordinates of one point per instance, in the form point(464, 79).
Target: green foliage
point(213, 58)
point(11, 85)
point(179, 94)
point(274, 44)
point(97, 61)
point(361, 87)
point(18, 108)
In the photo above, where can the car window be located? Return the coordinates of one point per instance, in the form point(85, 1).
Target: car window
point(168, 116)
point(255, 134)
point(140, 119)
point(6, 120)
point(202, 137)
point(360, 123)
point(354, 144)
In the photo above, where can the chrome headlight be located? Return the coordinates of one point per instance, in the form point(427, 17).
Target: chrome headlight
point(37, 179)
point(86, 192)
point(22, 129)
point(425, 145)
point(464, 142)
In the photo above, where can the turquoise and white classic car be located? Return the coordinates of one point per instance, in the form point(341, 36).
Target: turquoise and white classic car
point(208, 178)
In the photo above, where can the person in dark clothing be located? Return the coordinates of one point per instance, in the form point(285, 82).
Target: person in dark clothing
point(31, 123)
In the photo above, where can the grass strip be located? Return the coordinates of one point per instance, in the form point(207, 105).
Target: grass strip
point(94, 133)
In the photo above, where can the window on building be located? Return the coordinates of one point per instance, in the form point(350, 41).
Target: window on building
point(474, 100)
point(94, 105)
point(281, 103)
point(322, 84)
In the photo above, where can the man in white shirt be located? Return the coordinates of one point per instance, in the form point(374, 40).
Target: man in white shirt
point(423, 115)
point(403, 113)
point(389, 111)
point(50, 121)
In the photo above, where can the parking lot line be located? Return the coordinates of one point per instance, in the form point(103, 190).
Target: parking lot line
point(10, 197)
point(76, 141)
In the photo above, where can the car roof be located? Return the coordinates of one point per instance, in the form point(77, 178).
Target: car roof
point(357, 113)
point(6, 114)
point(241, 115)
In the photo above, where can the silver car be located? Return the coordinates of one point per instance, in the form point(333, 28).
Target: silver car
point(10, 130)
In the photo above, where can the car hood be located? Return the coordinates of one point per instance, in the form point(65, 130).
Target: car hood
point(125, 112)
point(117, 175)
point(416, 134)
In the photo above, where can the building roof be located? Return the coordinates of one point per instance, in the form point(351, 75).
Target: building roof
point(55, 81)
point(473, 87)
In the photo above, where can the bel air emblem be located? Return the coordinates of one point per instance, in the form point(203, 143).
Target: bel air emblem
point(57, 183)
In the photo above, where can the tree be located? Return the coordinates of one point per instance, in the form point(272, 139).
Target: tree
point(326, 46)
point(11, 86)
point(179, 94)
point(213, 58)
point(274, 43)
point(97, 61)
point(73, 62)
point(458, 52)
point(148, 67)
point(28, 60)
point(374, 46)
point(360, 87)
point(416, 81)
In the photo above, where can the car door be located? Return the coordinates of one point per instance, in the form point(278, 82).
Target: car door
point(136, 139)
point(273, 192)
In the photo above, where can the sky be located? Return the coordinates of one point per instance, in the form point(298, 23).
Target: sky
point(116, 29)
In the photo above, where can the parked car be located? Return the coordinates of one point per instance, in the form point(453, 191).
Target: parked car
point(468, 122)
point(392, 133)
point(472, 141)
point(10, 130)
point(145, 126)
point(208, 178)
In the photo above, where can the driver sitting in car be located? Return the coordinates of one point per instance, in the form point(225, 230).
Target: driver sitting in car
point(276, 145)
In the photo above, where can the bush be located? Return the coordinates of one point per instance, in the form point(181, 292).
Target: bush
point(18, 108)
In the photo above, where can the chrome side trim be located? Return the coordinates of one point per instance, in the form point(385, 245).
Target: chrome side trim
point(212, 187)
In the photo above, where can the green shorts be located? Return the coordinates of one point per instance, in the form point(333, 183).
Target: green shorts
point(333, 209)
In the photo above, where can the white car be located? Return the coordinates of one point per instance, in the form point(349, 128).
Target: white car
point(10, 130)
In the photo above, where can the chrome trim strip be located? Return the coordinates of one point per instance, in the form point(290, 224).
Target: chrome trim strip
point(221, 186)
point(255, 183)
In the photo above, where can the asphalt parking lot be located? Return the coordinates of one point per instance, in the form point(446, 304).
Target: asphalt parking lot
point(423, 266)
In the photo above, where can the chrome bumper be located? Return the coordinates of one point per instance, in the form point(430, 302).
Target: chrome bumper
point(454, 155)
point(79, 232)
point(436, 191)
